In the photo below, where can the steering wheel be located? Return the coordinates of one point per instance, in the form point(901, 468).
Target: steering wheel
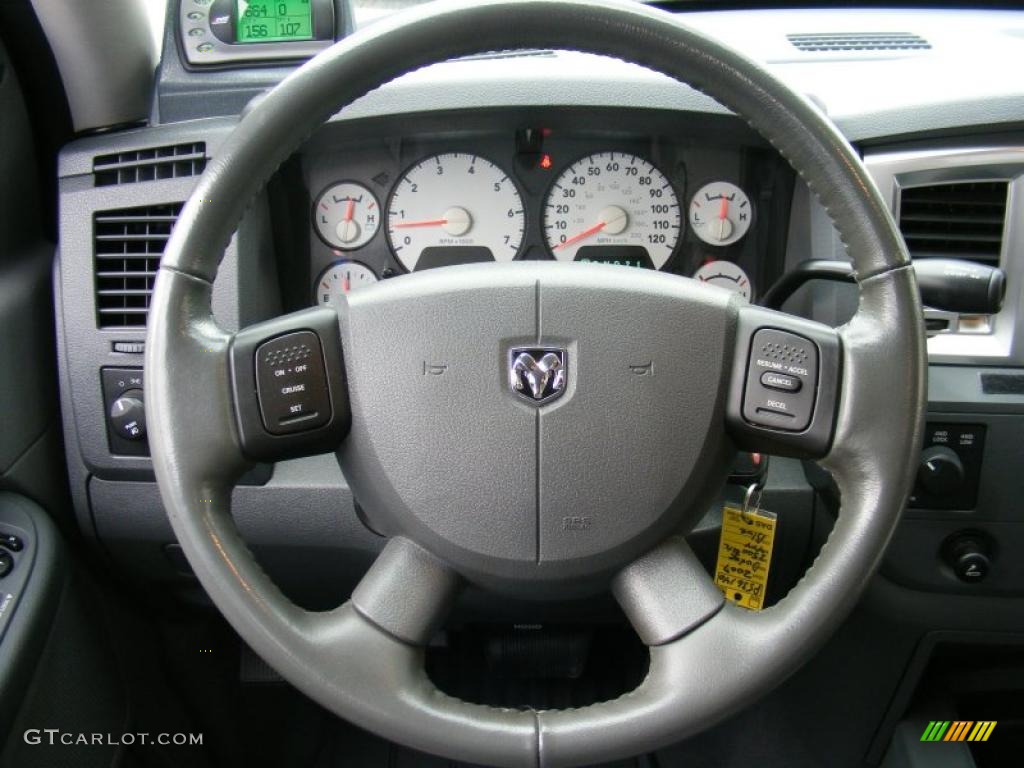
point(536, 428)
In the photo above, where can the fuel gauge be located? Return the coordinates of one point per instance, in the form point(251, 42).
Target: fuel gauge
point(340, 279)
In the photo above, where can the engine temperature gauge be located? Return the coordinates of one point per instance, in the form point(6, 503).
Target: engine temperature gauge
point(720, 213)
point(726, 275)
point(347, 215)
point(339, 280)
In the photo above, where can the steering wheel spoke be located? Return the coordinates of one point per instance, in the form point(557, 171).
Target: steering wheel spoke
point(785, 384)
point(407, 592)
point(288, 386)
point(666, 593)
point(371, 652)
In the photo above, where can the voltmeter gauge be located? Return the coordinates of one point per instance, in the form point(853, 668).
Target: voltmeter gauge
point(720, 213)
point(347, 215)
point(339, 280)
point(726, 275)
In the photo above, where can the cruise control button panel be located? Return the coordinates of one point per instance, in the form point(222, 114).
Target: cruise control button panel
point(292, 384)
point(782, 378)
point(288, 385)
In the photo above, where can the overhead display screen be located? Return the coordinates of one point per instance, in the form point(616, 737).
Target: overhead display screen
point(271, 21)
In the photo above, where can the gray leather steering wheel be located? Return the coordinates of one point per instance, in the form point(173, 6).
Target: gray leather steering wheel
point(474, 483)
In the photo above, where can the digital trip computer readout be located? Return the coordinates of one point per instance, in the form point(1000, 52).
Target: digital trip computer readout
point(270, 21)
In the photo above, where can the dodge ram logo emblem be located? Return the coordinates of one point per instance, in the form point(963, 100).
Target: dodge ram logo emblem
point(537, 374)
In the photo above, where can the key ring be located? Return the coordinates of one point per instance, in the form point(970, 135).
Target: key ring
point(753, 493)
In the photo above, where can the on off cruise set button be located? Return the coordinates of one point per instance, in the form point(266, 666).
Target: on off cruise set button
point(291, 383)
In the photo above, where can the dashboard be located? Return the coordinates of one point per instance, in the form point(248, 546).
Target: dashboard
point(701, 198)
point(558, 155)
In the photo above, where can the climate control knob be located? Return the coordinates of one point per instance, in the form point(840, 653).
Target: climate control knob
point(128, 415)
point(940, 472)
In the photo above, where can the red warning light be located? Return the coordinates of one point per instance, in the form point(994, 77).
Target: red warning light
point(545, 161)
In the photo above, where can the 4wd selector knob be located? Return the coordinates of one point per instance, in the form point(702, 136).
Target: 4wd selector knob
point(128, 415)
point(940, 472)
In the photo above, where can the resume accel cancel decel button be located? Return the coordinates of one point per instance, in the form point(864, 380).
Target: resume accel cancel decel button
point(782, 378)
point(781, 381)
point(291, 383)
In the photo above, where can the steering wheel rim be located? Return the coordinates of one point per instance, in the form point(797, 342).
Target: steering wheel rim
point(364, 659)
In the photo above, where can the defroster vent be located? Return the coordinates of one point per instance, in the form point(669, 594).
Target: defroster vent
point(838, 42)
point(961, 220)
point(128, 244)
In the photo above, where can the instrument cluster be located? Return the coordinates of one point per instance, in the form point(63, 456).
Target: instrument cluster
point(384, 208)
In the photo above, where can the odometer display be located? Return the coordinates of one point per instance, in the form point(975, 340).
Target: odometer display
point(612, 207)
point(273, 21)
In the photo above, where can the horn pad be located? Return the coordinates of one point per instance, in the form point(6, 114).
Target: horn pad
point(536, 422)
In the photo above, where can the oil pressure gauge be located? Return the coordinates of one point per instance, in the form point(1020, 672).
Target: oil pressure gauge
point(347, 215)
point(720, 213)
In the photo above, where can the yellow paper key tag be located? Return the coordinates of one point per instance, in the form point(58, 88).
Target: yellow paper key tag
point(745, 554)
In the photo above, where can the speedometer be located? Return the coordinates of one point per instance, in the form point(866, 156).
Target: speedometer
point(612, 207)
point(453, 209)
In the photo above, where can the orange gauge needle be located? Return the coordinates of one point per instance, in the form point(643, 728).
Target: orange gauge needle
point(350, 209)
point(426, 223)
point(585, 233)
point(346, 285)
point(723, 208)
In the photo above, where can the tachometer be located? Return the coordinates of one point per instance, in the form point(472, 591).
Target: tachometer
point(452, 209)
point(612, 207)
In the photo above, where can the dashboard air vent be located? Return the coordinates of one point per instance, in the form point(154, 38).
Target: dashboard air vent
point(957, 220)
point(128, 244)
point(832, 42)
point(172, 162)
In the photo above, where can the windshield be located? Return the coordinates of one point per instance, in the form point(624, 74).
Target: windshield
point(368, 11)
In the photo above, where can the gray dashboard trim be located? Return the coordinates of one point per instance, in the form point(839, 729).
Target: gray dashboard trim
point(895, 170)
point(84, 349)
point(106, 56)
point(567, 81)
point(579, 79)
